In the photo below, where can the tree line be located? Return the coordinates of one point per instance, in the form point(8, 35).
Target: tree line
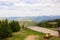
point(7, 28)
point(50, 23)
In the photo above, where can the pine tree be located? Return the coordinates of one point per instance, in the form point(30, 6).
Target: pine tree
point(15, 26)
point(5, 30)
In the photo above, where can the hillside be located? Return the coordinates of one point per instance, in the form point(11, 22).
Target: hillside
point(36, 19)
point(50, 23)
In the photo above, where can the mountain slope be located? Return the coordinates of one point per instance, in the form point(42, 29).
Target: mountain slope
point(33, 18)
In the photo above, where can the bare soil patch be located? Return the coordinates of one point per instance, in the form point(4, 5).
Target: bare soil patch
point(32, 37)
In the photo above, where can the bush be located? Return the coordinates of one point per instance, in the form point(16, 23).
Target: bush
point(14, 26)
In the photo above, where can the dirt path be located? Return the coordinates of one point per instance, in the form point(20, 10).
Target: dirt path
point(32, 37)
point(43, 30)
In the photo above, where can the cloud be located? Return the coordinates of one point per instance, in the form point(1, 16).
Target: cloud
point(29, 8)
point(31, 1)
point(5, 3)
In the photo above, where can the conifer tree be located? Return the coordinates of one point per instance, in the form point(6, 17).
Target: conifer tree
point(14, 26)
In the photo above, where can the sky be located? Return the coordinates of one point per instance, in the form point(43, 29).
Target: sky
point(17, 8)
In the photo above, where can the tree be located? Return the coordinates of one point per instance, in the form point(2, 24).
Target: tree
point(14, 26)
point(5, 30)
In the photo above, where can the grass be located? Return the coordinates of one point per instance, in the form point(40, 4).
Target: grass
point(55, 29)
point(51, 28)
point(24, 33)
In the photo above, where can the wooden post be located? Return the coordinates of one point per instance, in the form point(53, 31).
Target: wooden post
point(59, 34)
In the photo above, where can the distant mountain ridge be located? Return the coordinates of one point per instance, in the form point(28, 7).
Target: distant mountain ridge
point(34, 18)
point(45, 18)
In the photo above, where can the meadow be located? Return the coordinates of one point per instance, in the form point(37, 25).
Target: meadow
point(21, 35)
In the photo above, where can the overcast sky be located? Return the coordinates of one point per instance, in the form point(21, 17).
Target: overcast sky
point(19, 8)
